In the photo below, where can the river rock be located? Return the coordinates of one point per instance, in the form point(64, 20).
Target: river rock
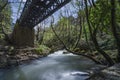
point(65, 52)
point(34, 56)
point(111, 73)
point(18, 56)
point(1, 53)
point(3, 61)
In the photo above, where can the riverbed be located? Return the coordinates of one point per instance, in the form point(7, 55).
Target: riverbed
point(56, 66)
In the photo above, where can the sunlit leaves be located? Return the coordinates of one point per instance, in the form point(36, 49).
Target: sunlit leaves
point(5, 16)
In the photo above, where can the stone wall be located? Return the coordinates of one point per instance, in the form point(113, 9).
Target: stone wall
point(23, 36)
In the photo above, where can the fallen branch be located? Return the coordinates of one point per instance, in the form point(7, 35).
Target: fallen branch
point(84, 55)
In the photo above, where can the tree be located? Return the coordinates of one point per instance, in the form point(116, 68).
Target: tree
point(5, 18)
point(114, 27)
point(96, 18)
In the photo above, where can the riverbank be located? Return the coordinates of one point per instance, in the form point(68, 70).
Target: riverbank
point(111, 73)
point(15, 57)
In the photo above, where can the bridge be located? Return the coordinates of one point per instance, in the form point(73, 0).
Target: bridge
point(34, 12)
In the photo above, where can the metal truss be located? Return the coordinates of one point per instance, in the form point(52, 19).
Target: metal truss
point(35, 11)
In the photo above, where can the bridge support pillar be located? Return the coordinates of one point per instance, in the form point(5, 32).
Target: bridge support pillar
point(23, 36)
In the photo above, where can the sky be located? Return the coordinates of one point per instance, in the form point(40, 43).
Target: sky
point(15, 13)
point(16, 0)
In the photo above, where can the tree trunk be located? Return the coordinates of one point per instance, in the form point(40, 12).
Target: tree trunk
point(93, 37)
point(114, 30)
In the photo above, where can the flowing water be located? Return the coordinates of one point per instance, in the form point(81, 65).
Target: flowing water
point(57, 66)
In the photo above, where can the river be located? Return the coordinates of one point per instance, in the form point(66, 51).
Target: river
point(57, 66)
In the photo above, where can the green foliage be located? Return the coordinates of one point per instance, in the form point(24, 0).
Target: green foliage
point(5, 17)
point(100, 16)
point(42, 50)
point(68, 28)
point(48, 35)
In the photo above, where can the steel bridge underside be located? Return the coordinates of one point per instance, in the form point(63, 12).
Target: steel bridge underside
point(35, 11)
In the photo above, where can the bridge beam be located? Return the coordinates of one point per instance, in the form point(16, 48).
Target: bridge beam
point(23, 36)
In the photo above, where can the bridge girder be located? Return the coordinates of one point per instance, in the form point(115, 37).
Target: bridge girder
point(35, 11)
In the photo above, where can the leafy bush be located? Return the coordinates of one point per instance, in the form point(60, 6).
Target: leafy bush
point(42, 50)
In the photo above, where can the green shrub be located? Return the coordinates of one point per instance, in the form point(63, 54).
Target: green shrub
point(42, 49)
